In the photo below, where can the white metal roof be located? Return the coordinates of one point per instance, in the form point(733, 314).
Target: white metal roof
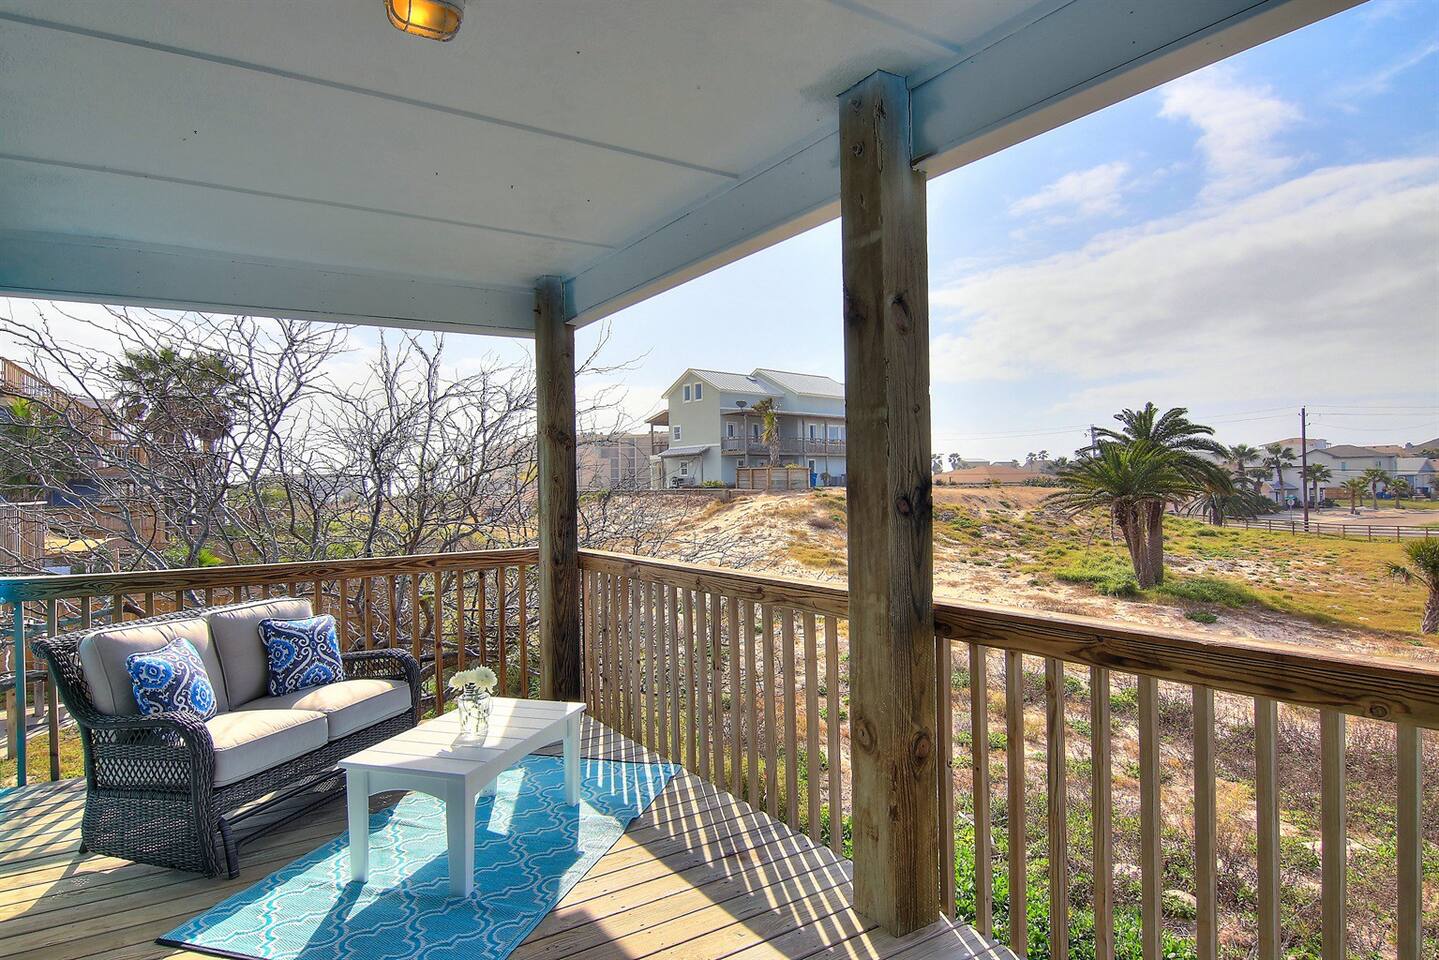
point(804, 384)
point(306, 159)
point(693, 450)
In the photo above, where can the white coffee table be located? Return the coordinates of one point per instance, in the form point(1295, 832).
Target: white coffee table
point(433, 758)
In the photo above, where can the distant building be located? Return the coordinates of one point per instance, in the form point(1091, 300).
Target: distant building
point(615, 461)
point(712, 428)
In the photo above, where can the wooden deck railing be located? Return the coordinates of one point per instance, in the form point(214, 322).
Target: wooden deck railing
point(744, 680)
point(451, 609)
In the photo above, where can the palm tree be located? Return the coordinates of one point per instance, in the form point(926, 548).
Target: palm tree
point(769, 427)
point(1242, 454)
point(1134, 480)
point(1279, 457)
point(180, 398)
point(1400, 488)
point(1316, 474)
point(1423, 566)
point(1355, 487)
point(955, 460)
point(1373, 477)
point(1173, 430)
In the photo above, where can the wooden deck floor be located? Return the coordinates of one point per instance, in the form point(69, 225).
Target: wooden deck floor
point(700, 875)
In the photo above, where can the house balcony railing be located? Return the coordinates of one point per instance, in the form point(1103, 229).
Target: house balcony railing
point(744, 679)
point(789, 447)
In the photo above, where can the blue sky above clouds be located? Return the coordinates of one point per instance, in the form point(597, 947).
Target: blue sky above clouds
point(1254, 236)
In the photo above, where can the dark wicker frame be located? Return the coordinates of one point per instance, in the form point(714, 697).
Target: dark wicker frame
point(150, 795)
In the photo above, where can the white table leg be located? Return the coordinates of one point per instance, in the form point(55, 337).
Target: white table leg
point(357, 796)
point(460, 834)
point(572, 759)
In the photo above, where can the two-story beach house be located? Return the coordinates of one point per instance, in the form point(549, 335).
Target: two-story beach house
point(713, 429)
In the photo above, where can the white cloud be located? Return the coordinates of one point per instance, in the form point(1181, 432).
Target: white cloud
point(1380, 80)
point(1325, 285)
point(1082, 193)
point(1238, 128)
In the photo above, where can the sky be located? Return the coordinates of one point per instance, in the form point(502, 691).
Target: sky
point(1254, 237)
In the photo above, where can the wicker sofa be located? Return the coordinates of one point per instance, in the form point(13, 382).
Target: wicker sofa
point(169, 789)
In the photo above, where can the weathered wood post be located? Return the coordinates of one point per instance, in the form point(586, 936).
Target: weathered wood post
point(559, 568)
point(891, 551)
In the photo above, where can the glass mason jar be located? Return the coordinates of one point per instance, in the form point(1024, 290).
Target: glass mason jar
point(474, 711)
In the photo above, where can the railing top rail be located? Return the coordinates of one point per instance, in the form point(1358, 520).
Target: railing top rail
point(36, 588)
point(1374, 687)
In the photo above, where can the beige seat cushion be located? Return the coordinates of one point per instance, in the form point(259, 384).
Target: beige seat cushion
point(236, 633)
point(103, 654)
point(348, 705)
point(249, 741)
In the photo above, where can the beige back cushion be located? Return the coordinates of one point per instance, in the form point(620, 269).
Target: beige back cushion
point(236, 631)
point(103, 654)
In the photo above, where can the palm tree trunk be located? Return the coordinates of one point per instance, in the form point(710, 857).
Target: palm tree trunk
point(1430, 623)
point(1143, 529)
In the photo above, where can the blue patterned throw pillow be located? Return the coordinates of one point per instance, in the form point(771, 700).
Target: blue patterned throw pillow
point(301, 653)
point(171, 679)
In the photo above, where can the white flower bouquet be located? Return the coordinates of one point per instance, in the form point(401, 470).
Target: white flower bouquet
point(482, 678)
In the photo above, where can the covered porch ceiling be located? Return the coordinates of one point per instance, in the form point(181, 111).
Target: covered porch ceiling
point(306, 160)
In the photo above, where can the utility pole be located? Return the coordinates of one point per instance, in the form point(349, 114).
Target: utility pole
point(1304, 464)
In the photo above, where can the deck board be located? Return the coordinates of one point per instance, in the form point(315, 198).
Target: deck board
point(700, 876)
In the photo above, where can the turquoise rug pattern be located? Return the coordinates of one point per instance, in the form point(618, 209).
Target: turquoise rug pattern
point(530, 849)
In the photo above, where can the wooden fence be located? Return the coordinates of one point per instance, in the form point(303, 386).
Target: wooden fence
point(1357, 531)
point(772, 478)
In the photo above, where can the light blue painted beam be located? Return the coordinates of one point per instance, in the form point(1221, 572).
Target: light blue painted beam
point(87, 269)
point(1080, 58)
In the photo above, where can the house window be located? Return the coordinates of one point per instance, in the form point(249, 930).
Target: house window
point(729, 430)
point(836, 431)
point(687, 393)
point(814, 431)
point(699, 391)
point(684, 468)
point(676, 431)
point(754, 430)
point(1343, 465)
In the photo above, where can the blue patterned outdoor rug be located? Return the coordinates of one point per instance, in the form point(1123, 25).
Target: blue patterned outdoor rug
point(530, 849)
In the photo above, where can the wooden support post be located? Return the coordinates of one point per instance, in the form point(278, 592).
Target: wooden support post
point(559, 568)
point(891, 553)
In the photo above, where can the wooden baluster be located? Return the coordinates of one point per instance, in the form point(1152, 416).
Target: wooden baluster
point(791, 726)
point(209, 596)
point(832, 725)
point(52, 697)
point(317, 602)
point(343, 616)
point(771, 738)
point(1333, 832)
point(415, 622)
point(652, 719)
point(1206, 926)
point(1014, 764)
point(502, 609)
point(736, 696)
point(944, 676)
point(749, 642)
point(392, 639)
point(587, 627)
point(716, 640)
point(1057, 777)
point(675, 659)
point(1151, 864)
point(462, 652)
point(812, 748)
point(663, 664)
point(85, 613)
point(117, 609)
point(482, 625)
point(524, 640)
point(691, 683)
point(1266, 797)
point(612, 649)
point(149, 604)
point(367, 594)
point(979, 758)
point(1411, 863)
point(439, 630)
point(635, 653)
point(703, 671)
